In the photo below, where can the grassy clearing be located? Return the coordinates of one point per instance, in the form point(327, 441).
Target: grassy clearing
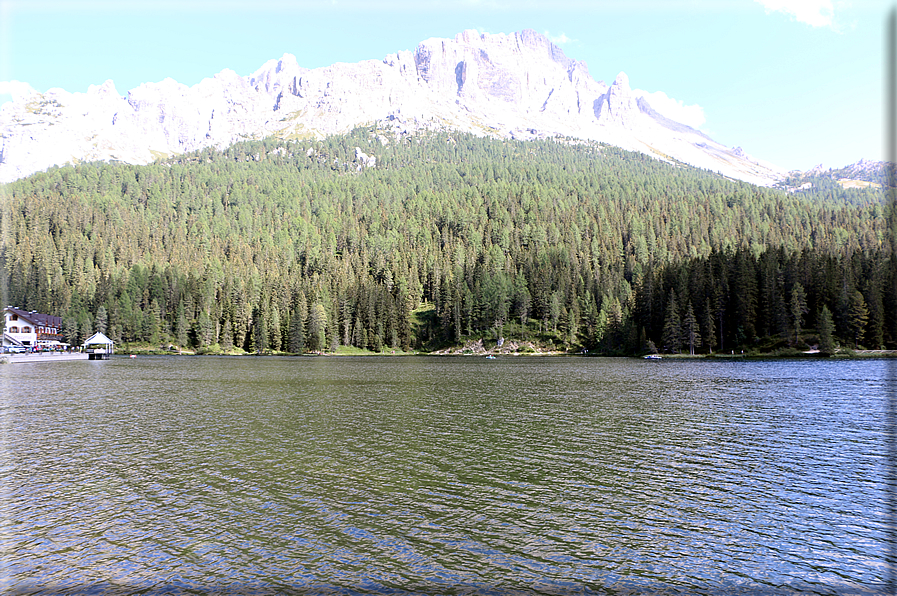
point(848, 183)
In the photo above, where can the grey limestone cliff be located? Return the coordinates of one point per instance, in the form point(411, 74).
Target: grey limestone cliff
point(516, 86)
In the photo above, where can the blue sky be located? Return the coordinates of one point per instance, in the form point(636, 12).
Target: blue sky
point(794, 82)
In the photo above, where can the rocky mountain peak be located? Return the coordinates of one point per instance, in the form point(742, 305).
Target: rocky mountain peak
point(518, 85)
point(106, 90)
point(621, 83)
point(619, 106)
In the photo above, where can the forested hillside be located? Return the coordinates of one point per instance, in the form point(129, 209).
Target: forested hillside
point(295, 246)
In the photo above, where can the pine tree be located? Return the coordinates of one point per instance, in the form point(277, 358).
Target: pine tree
point(572, 324)
point(226, 341)
point(300, 327)
point(333, 336)
point(456, 317)
point(826, 330)
point(317, 326)
point(857, 316)
point(798, 309)
point(345, 314)
point(181, 327)
point(671, 338)
point(601, 326)
point(720, 294)
point(522, 300)
point(615, 320)
point(875, 330)
point(555, 310)
point(690, 329)
point(70, 331)
point(709, 327)
point(274, 332)
point(405, 306)
point(102, 319)
point(259, 332)
point(297, 331)
point(357, 340)
point(152, 323)
point(204, 331)
point(745, 296)
point(84, 329)
point(392, 324)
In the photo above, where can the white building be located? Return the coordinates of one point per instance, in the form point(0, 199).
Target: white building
point(30, 329)
point(98, 346)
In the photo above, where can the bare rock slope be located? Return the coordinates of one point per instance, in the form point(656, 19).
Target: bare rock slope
point(515, 86)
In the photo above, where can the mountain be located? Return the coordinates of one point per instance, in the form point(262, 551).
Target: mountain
point(862, 174)
point(518, 86)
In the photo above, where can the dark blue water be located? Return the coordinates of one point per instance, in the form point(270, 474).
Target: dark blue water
point(444, 475)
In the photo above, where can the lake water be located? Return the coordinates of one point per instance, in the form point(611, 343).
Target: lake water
point(165, 475)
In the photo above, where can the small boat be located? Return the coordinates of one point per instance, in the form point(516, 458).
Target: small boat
point(490, 357)
point(653, 357)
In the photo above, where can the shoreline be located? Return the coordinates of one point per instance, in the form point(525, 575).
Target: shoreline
point(43, 357)
point(462, 352)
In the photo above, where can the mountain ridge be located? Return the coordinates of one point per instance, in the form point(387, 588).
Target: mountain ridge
point(519, 86)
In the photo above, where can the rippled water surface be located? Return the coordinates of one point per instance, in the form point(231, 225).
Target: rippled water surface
point(443, 475)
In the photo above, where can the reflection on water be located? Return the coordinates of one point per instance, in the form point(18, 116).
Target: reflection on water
point(443, 475)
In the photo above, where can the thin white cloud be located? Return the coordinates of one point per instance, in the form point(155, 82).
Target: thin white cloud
point(16, 89)
point(559, 39)
point(816, 13)
point(674, 109)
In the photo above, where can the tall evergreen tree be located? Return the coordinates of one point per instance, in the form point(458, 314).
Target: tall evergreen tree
point(522, 299)
point(70, 330)
point(745, 296)
point(317, 327)
point(690, 330)
point(798, 309)
point(333, 334)
point(259, 332)
point(601, 324)
point(274, 332)
point(85, 330)
point(297, 331)
point(555, 310)
point(204, 330)
point(671, 338)
point(709, 327)
point(857, 316)
point(826, 331)
point(102, 319)
point(875, 329)
point(226, 340)
point(181, 326)
point(572, 324)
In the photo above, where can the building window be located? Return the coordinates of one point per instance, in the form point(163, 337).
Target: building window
point(13, 329)
point(26, 329)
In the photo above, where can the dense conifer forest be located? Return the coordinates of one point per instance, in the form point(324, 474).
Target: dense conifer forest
point(294, 246)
